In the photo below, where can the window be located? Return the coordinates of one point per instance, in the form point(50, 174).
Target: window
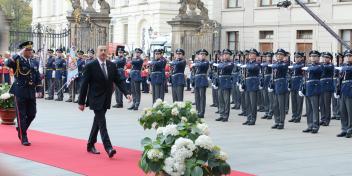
point(268, 2)
point(266, 34)
point(304, 34)
point(232, 3)
point(265, 47)
point(304, 47)
point(346, 36)
point(232, 40)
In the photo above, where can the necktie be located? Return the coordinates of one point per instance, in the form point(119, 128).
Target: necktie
point(104, 71)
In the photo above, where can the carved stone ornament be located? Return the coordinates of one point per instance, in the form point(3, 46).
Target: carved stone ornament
point(192, 5)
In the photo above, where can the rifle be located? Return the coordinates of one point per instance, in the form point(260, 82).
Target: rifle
point(244, 71)
point(339, 76)
point(290, 72)
point(303, 88)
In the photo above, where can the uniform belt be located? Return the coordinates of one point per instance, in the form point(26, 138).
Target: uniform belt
point(135, 70)
point(201, 75)
point(49, 69)
point(267, 74)
point(314, 80)
point(235, 73)
point(279, 79)
point(177, 74)
point(224, 76)
point(252, 77)
point(59, 69)
point(324, 79)
point(156, 72)
point(346, 81)
point(296, 77)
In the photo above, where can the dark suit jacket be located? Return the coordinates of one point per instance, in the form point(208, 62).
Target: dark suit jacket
point(98, 88)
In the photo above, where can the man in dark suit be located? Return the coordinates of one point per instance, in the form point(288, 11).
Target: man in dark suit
point(98, 79)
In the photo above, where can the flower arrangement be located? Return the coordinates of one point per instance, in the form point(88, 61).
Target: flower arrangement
point(7, 100)
point(182, 146)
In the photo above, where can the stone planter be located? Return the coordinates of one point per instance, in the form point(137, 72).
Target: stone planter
point(8, 116)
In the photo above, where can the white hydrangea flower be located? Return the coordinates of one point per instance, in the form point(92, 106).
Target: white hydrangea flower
point(173, 167)
point(160, 130)
point(205, 142)
point(193, 111)
point(182, 149)
point(170, 130)
point(148, 113)
point(157, 103)
point(154, 125)
point(5, 96)
point(155, 154)
point(174, 111)
point(203, 128)
point(159, 112)
point(184, 119)
point(222, 156)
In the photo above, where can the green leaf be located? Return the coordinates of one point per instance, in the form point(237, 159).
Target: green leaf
point(155, 166)
point(170, 140)
point(225, 168)
point(200, 162)
point(197, 171)
point(146, 141)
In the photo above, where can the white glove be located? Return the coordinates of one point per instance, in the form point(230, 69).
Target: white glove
point(214, 86)
point(238, 84)
point(270, 65)
point(336, 96)
point(243, 66)
point(289, 89)
point(338, 68)
point(193, 64)
point(216, 65)
point(260, 88)
point(270, 90)
point(191, 86)
point(149, 62)
point(240, 87)
point(127, 81)
point(290, 67)
point(148, 82)
point(300, 93)
point(238, 65)
point(305, 68)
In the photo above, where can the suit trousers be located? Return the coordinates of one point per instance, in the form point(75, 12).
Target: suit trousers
point(279, 108)
point(243, 102)
point(200, 96)
point(297, 105)
point(177, 93)
point(51, 87)
point(325, 107)
point(99, 124)
point(224, 103)
point(214, 93)
point(59, 84)
point(158, 91)
point(136, 92)
point(346, 113)
point(236, 95)
point(336, 107)
point(26, 109)
point(313, 112)
point(251, 101)
point(118, 96)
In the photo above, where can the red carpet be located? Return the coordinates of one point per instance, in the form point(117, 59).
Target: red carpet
point(70, 154)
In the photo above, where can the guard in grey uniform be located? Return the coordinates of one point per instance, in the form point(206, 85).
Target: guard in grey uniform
point(311, 89)
point(120, 62)
point(224, 84)
point(343, 91)
point(201, 81)
point(335, 101)
point(178, 80)
point(268, 97)
point(327, 88)
point(135, 79)
point(157, 75)
point(241, 84)
point(235, 92)
point(213, 77)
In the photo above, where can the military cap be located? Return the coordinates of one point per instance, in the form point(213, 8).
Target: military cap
point(59, 50)
point(239, 53)
point(27, 45)
point(327, 55)
point(253, 51)
point(269, 54)
point(203, 51)
point(338, 54)
point(246, 52)
point(180, 50)
point(347, 53)
point(80, 52)
point(158, 51)
point(227, 51)
point(299, 54)
point(314, 53)
point(50, 50)
point(91, 50)
point(120, 49)
point(281, 51)
point(138, 50)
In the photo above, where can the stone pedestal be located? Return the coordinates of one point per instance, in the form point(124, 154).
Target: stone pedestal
point(4, 32)
point(191, 33)
point(91, 31)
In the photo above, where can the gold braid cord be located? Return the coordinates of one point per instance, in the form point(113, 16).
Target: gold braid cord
point(18, 70)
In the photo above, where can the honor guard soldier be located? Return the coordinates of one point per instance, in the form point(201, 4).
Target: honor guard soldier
point(157, 75)
point(225, 84)
point(336, 102)
point(201, 81)
point(268, 97)
point(327, 88)
point(251, 78)
point(24, 88)
point(60, 68)
point(236, 94)
point(136, 78)
point(178, 77)
point(213, 77)
point(280, 88)
point(296, 81)
point(241, 84)
point(120, 62)
point(343, 91)
point(90, 55)
point(80, 66)
point(50, 67)
point(311, 89)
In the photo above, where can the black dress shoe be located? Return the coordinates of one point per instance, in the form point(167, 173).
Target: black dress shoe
point(251, 123)
point(269, 118)
point(333, 117)
point(58, 99)
point(321, 123)
point(245, 123)
point(242, 114)
point(348, 135)
point(76, 101)
point(130, 108)
point(115, 106)
point(201, 116)
point(297, 121)
point(135, 108)
point(193, 103)
point(280, 127)
point(111, 153)
point(233, 107)
point(342, 134)
point(232, 102)
point(264, 117)
point(25, 141)
point(338, 118)
point(69, 100)
point(219, 119)
point(217, 112)
point(225, 120)
point(325, 124)
point(291, 120)
point(304, 115)
point(274, 126)
point(314, 131)
point(213, 105)
point(93, 150)
point(307, 130)
point(49, 98)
